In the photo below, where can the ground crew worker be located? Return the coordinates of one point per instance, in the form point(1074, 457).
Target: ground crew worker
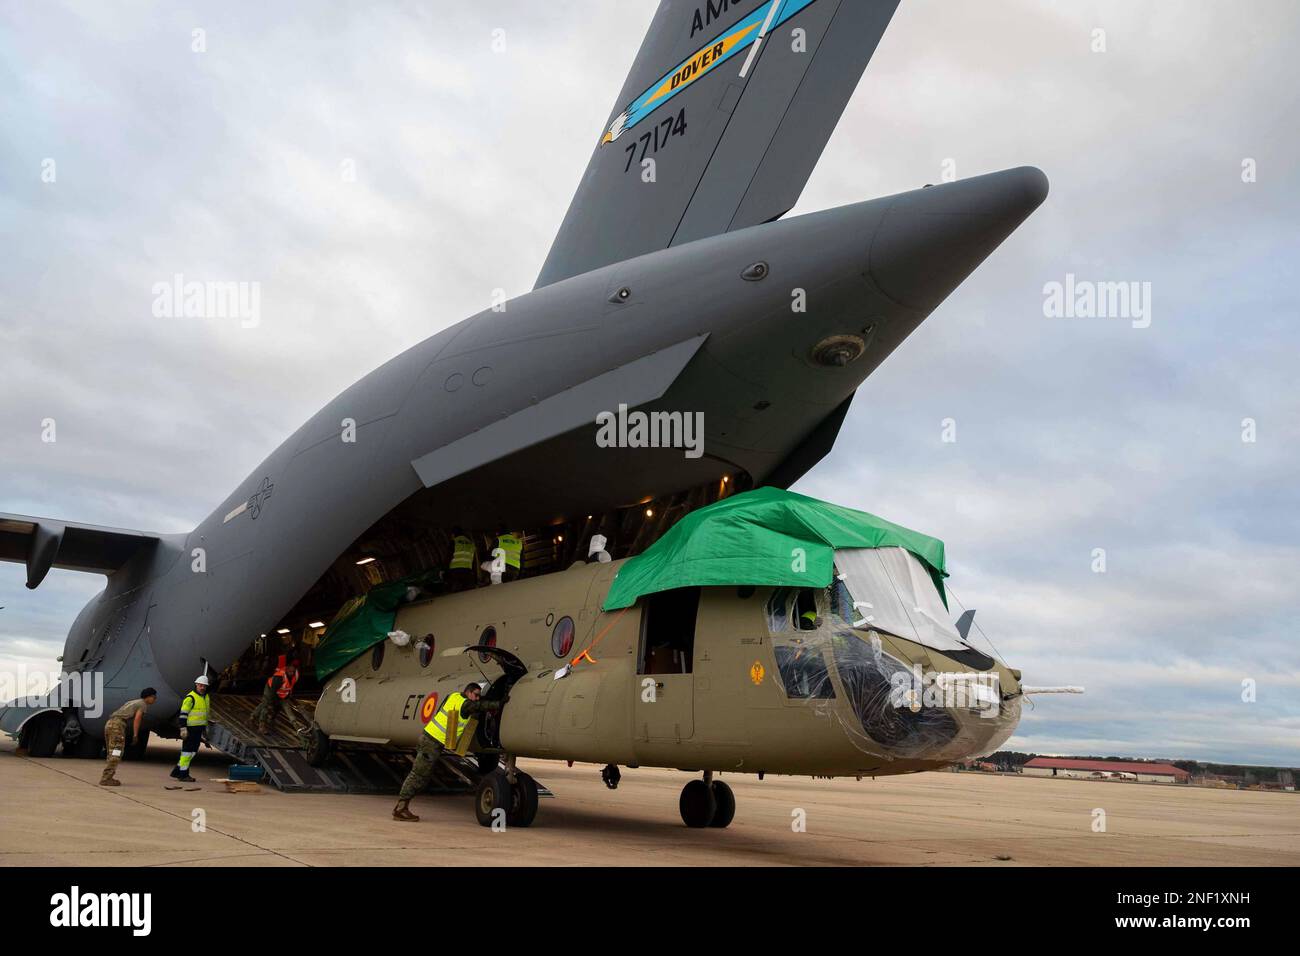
point(464, 556)
point(511, 547)
point(808, 621)
point(115, 732)
point(194, 709)
point(448, 727)
point(275, 696)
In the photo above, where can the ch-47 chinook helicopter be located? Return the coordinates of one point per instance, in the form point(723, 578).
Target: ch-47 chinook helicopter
point(673, 288)
point(765, 633)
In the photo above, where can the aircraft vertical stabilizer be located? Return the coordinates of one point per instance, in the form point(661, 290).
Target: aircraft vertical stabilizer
point(719, 125)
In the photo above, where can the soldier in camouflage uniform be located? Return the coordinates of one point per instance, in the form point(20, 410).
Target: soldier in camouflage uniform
point(448, 726)
point(115, 732)
point(277, 697)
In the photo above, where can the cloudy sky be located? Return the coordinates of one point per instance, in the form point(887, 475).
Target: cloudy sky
point(126, 157)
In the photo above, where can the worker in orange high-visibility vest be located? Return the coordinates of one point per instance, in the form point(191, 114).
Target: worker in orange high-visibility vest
point(277, 695)
point(452, 728)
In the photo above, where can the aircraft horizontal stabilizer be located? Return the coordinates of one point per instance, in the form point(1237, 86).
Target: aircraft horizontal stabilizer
point(44, 543)
point(723, 116)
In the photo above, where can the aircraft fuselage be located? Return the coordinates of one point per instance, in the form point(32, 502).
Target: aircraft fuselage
point(766, 332)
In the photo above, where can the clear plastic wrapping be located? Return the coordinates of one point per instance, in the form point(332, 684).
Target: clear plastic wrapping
point(889, 707)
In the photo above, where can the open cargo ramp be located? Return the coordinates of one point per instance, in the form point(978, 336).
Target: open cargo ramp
point(281, 753)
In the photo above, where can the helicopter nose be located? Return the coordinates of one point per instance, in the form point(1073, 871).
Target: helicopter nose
point(931, 239)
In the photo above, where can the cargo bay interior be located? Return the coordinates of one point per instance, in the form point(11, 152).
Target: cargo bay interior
point(407, 541)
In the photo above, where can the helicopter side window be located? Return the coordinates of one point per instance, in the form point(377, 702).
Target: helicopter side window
point(803, 673)
point(487, 639)
point(805, 610)
point(668, 631)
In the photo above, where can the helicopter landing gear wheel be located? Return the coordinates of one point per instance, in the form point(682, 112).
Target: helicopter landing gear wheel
point(492, 794)
point(319, 747)
point(523, 801)
point(697, 804)
point(726, 805)
point(611, 776)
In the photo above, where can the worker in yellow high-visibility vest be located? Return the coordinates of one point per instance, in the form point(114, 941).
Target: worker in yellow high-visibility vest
point(462, 572)
point(194, 711)
point(451, 728)
point(510, 549)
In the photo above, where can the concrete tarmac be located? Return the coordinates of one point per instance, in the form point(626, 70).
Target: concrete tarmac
point(53, 813)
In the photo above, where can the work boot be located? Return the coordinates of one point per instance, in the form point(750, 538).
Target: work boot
point(184, 777)
point(107, 781)
point(402, 812)
point(176, 772)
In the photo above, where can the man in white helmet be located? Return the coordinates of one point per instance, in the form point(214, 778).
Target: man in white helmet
point(194, 711)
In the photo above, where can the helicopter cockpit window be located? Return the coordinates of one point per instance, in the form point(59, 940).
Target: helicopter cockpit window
point(805, 609)
point(778, 611)
point(803, 672)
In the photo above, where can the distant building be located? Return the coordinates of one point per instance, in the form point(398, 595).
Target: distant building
point(1105, 770)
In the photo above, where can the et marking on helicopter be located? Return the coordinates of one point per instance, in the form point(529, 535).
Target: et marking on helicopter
point(659, 608)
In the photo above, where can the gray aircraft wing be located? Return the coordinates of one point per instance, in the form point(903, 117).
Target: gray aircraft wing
point(723, 116)
point(43, 543)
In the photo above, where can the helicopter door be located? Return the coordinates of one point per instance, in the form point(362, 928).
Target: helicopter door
point(489, 726)
point(665, 682)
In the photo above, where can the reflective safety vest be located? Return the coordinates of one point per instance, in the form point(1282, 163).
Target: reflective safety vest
point(286, 685)
point(195, 709)
point(462, 733)
point(513, 548)
point(462, 557)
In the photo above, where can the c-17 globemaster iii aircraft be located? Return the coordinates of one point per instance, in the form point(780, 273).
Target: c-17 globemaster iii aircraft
point(674, 290)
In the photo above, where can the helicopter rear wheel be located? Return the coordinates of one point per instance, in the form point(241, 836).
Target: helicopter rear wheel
point(319, 747)
point(492, 794)
point(523, 801)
